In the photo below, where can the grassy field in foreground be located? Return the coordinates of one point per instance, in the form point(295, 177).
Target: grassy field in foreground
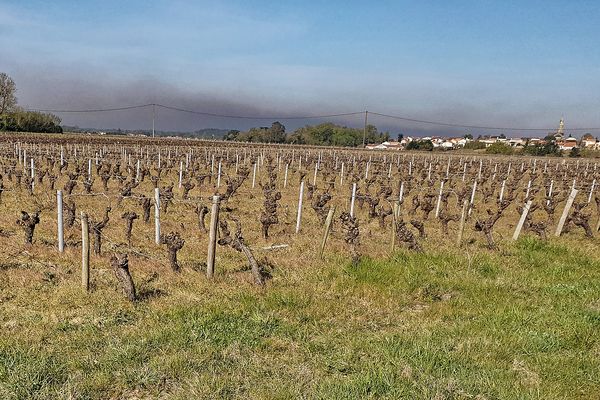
point(449, 324)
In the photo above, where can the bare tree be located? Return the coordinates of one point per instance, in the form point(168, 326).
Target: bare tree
point(8, 100)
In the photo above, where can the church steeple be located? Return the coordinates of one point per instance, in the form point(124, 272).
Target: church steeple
point(561, 127)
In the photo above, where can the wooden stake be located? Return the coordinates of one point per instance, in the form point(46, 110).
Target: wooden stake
point(59, 208)
point(400, 196)
point(219, 175)
point(85, 252)
point(156, 216)
point(439, 200)
point(212, 237)
point(395, 212)
point(327, 228)
point(472, 197)
point(550, 190)
point(352, 199)
point(299, 216)
point(565, 213)
point(522, 220)
point(180, 172)
point(461, 225)
point(32, 176)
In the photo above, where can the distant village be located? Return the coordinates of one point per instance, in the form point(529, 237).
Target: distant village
point(587, 141)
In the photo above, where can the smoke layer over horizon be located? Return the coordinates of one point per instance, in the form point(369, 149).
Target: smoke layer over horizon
point(69, 92)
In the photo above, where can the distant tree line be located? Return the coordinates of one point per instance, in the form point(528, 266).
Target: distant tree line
point(29, 121)
point(15, 119)
point(547, 148)
point(326, 134)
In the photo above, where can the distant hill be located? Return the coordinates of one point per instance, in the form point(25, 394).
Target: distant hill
point(206, 133)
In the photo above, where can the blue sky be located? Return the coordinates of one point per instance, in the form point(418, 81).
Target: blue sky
point(507, 63)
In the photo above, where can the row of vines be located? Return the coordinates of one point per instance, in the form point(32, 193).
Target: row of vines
point(275, 200)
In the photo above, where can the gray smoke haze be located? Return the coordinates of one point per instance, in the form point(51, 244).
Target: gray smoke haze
point(73, 93)
point(74, 90)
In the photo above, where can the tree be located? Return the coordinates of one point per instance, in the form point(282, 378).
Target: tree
point(426, 145)
point(413, 145)
point(8, 100)
point(263, 134)
point(499, 148)
point(575, 152)
point(276, 133)
point(468, 136)
point(587, 136)
point(374, 136)
point(474, 145)
point(548, 149)
point(400, 137)
point(327, 134)
point(231, 135)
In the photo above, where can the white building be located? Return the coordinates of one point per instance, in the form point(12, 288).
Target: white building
point(516, 142)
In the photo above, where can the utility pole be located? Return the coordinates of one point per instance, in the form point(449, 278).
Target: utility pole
point(153, 116)
point(365, 130)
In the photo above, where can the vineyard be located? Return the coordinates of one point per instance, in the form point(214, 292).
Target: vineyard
point(364, 268)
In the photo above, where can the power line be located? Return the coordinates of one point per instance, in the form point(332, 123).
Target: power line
point(90, 110)
point(254, 117)
point(209, 114)
point(292, 117)
point(473, 126)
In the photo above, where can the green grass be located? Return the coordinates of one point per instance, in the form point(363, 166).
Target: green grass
point(446, 324)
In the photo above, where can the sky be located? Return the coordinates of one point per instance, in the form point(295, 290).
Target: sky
point(521, 64)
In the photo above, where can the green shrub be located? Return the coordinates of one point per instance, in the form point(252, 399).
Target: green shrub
point(575, 152)
point(548, 149)
point(474, 145)
point(499, 148)
point(426, 145)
